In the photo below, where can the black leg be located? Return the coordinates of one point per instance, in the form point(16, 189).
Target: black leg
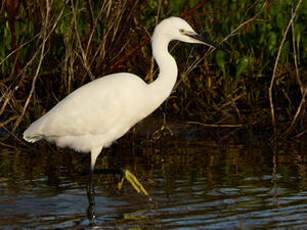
point(91, 198)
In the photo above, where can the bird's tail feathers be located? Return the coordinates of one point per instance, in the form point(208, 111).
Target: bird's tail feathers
point(31, 139)
point(31, 135)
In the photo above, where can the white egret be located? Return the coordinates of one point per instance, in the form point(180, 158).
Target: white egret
point(98, 113)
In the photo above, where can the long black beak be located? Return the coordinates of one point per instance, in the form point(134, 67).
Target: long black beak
point(207, 42)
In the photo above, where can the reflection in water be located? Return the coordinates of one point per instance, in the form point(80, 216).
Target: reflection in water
point(193, 184)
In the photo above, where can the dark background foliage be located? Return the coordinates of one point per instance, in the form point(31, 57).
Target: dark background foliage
point(49, 48)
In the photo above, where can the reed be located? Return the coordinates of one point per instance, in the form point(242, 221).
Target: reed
point(50, 48)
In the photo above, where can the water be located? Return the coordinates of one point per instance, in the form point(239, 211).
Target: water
point(194, 184)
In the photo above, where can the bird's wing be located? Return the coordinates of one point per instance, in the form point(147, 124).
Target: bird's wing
point(93, 109)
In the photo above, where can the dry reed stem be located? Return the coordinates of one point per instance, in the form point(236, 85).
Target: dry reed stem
point(119, 17)
point(45, 26)
point(301, 134)
point(46, 37)
point(6, 97)
point(10, 91)
point(298, 111)
point(106, 31)
point(69, 59)
point(113, 18)
point(95, 25)
point(8, 120)
point(32, 39)
point(215, 125)
point(275, 67)
point(19, 48)
point(35, 36)
point(42, 48)
point(22, 72)
point(84, 56)
point(298, 79)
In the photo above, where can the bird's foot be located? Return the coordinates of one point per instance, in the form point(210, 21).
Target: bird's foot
point(133, 181)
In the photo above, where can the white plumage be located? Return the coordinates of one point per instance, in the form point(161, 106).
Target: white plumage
point(98, 113)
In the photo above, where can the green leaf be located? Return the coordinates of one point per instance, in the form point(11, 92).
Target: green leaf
point(272, 42)
point(220, 58)
point(242, 67)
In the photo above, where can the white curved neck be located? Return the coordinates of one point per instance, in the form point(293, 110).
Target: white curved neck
point(162, 87)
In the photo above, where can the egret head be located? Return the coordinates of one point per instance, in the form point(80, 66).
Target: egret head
point(175, 28)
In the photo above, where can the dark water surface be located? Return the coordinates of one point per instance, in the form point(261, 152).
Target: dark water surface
point(194, 184)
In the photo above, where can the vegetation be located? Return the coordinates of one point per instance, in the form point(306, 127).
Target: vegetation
point(50, 48)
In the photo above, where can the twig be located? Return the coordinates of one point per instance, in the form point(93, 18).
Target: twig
point(242, 24)
point(8, 121)
point(275, 68)
point(301, 134)
point(19, 48)
point(295, 59)
point(95, 24)
point(215, 125)
point(84, 57)
point(230, 102)
point(6, 97)
point(296, 114)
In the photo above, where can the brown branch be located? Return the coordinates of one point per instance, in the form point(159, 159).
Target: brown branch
point(215, 125)
point(298, 79)
point(275, 68)
point(8, 120)
point(301, 134)
point(298, 111)
point(6, 97)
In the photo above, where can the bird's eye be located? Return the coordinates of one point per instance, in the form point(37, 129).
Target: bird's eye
point(181, 31)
